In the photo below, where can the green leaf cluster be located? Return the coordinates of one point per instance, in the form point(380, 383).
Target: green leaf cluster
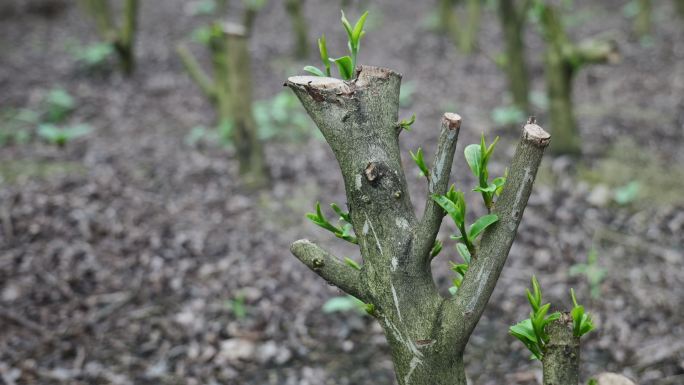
point(453, 202)
point(581, 321)
point(405, 124)
point(345, 64)
point(531, 332)
point(477, 156)
point(91, 55)
point(61, 135)
point(58, 105)
point(420, 162)
point(344, 232)
point(237, 306)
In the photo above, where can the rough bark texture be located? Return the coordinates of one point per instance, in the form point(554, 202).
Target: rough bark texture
point(231, 93)
point(299, 25)
point(427, 334)
point(561, 359)
point(512, 19)
point(562, 61)
point(123, 38)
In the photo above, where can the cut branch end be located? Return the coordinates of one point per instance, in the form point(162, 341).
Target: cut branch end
point(451, 120)
point(535, 134)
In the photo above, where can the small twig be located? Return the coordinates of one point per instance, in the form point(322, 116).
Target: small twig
point(23, 322)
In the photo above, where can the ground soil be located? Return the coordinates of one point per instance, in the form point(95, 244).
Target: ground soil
point(121, 252)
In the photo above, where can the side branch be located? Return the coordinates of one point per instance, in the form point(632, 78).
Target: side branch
point(329, 267)
point(464, 311)
point(438, 183)
point(595, 51)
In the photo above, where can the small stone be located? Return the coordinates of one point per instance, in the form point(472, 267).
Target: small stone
point(613, 379)
point(600, 195)
point(234, 350)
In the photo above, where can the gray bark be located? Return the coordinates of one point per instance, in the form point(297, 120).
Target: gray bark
point(561, 358)
point(427, 334)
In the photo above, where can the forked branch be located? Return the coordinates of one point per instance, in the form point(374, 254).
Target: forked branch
point(465, 309)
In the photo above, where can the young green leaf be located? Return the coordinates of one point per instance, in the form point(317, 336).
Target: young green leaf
point(450, 207)
point(347, 26)
point(420, 162)
point(357, 33)
point(481, 224)
point(463, 252)
point(473, 157)
point(352, 263)
point(582, 323)
point(345, 66)
point(405, 124)
point(314, 71)
point(344, 216)
point(436, 248)
point(323, 50)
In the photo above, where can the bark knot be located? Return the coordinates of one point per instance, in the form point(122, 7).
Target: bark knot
point(373, 173)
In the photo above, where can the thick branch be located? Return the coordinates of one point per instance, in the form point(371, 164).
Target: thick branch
point(464, 311)
point(438, 183)
point(195, 71)
point(330, 268)
point(561, 358)
point(594, 51)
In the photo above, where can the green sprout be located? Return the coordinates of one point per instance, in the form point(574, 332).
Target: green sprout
point(420, 162)
point(344, 232)
point(477, 157)
point(352, 263)
point(345, 64)
point(405, 124)
point(347, 303)
point(237, 306)
point(531, 332)
point(436, 248)
point(92, 55)
point(581, 321)
point(58, 104)
point(592, 271)
point(61, 135)
point(453, 202)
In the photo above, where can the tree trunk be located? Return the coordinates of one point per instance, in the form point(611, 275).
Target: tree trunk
point(512, 25)
point(562, 60)
point(468, 35)
point(239, 99)
point(126, 38)
point(427, 334)
point(642, 21)
point(122, 39)
point(300, 27)
point(561, 359)
point(559, 76)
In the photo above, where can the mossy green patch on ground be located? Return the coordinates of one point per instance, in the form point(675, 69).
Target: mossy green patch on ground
point(637, 176)
point(18, 171)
